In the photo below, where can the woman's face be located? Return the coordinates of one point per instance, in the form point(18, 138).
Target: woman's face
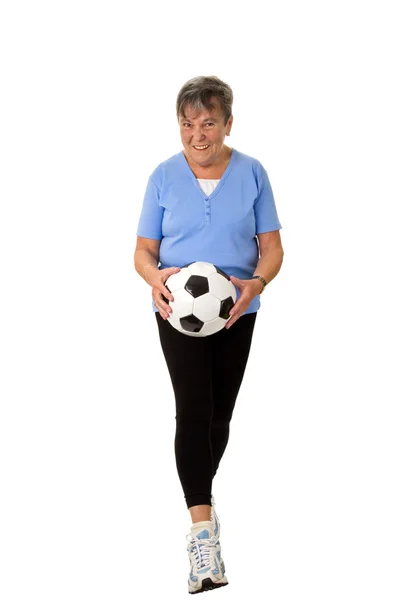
point(203, 134)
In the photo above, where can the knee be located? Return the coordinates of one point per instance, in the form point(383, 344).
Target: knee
point(190, 419)
point(221, 422)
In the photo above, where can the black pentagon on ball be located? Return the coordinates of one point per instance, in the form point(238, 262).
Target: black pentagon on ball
point(197, 285)
point(191, 323)
point(226, 306)
point(221, 272)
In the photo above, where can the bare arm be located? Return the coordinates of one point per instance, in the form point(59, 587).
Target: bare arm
point(271, 255)
point(146, 259)
point(268, 266)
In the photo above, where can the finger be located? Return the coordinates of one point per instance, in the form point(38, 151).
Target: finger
point(171, 270)
point(162, 312)
point(232, 321)
point(166, 293)
point(236, 281)
point(164, 308)
point(161, 301)
point(237, 308)
point(160, 291)
point(166, 274)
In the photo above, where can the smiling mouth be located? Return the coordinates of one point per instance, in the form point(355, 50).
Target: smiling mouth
point(201, 147)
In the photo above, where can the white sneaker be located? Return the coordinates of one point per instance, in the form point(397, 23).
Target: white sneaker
point(214, 519)
point(207, 570)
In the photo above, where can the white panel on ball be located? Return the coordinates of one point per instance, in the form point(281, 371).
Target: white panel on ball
point(213, 326)
point(182, 305)
point(174, 321)
point(178, 280)
point(221, 287)
point(201, 268)
point(206, 307)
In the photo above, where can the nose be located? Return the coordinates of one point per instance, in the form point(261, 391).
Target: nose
point(198, 134)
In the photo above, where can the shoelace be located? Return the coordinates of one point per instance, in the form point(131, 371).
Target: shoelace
point(202, 551)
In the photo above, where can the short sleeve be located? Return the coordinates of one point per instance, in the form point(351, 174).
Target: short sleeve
point(150, 220)
point(264, 207)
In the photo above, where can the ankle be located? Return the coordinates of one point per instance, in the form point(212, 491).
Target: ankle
point(201, 512)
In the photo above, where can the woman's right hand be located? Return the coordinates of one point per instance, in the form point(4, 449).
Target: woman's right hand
point(157, 280)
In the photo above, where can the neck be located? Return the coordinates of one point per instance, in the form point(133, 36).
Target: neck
point(217, 165)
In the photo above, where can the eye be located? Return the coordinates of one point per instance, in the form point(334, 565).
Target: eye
point(186, 125)
point(209, 124)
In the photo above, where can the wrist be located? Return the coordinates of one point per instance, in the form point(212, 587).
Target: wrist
point(261, 281)
point(148, 269)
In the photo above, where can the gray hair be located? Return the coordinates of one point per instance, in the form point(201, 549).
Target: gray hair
point(197, 93)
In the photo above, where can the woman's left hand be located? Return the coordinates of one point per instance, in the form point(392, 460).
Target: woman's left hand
point(249, 289)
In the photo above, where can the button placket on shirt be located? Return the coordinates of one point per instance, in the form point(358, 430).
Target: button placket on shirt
point(208, 210)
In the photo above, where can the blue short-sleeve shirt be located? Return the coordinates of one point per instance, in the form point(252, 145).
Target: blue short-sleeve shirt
point(219, 228)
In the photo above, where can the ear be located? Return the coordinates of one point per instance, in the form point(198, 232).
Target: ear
point(229, 125)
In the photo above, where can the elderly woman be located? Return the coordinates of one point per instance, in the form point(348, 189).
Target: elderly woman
point(207, 203)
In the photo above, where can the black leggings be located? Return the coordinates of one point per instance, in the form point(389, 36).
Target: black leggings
point(206, 375)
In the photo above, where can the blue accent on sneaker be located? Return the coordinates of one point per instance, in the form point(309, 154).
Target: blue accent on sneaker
point(203, 535)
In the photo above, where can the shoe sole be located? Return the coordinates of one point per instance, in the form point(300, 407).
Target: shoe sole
point(208, 584)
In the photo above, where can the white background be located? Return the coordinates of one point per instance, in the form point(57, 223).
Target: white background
point(308, 490)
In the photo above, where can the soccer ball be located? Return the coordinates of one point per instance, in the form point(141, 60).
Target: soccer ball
point(203, 296)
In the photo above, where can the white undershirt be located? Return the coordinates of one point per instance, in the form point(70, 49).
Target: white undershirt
point(208, 185)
